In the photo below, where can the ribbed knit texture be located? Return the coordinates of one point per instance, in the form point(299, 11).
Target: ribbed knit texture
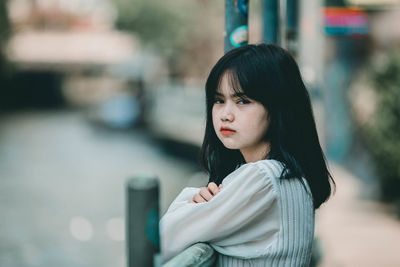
point(293, 245)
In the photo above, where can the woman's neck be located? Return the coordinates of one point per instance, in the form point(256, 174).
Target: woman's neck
point(253, 154)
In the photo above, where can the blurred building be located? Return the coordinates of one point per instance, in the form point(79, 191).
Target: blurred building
point(69, 51)
point(62, 14)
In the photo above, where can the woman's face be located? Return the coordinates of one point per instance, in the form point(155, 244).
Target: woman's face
point(239, 122)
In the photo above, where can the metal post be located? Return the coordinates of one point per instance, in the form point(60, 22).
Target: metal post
point(142, 208)
point(270, 22)
point(292, 25)
point(236, 23)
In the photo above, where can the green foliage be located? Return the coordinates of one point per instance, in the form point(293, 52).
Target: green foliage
point(175, 29)
point(164, 24)
point(382, 132)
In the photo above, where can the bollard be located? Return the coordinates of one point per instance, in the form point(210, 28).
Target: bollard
point(142, 219)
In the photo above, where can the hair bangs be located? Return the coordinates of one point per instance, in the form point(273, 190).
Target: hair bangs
point(233, 81)
point(249, 72)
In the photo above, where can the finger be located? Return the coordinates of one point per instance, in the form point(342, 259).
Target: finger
point(220, 186)
point(198, 199)
point(205, 194)
point(213, 188)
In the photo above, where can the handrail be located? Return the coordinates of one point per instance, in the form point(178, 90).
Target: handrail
point(197, 255)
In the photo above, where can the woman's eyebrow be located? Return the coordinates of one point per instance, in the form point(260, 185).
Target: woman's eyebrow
point(240, 94)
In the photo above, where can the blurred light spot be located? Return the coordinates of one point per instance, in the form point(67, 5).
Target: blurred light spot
point(309, 74)
point(116, 229)
point(81, 228)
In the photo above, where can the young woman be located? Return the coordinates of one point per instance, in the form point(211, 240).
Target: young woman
point(267, 170)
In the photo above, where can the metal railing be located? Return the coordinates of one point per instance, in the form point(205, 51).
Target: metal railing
point(197, 255)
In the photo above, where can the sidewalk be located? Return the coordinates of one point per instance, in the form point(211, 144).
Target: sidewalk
point(356, 232)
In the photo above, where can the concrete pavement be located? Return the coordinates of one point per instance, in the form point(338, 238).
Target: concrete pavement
point(354, 231)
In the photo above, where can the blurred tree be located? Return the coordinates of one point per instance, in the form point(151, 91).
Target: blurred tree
point(382, 131)
point(173, 28)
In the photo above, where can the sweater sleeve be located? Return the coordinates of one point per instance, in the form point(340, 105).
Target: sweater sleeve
point(184, 196)
point(241, 220)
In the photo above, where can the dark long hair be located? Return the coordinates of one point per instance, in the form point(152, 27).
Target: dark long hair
point(269, 75)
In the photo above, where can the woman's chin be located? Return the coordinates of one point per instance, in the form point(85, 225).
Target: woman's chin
point(230, 146)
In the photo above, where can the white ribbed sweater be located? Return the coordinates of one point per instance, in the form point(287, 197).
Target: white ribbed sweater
point(256, 219)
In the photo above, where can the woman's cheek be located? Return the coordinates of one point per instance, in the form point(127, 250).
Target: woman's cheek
point(214, 119)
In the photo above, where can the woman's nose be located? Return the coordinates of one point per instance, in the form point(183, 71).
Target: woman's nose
point(227, 114)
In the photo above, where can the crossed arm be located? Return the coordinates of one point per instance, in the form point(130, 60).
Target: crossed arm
point(239, 219)
point(206, 193)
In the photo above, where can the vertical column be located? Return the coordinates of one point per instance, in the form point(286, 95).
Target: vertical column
point(339, 69)
point(270, 21)
point(142, 215)
point(236, 24)
point(292, 25)
point(310, 58)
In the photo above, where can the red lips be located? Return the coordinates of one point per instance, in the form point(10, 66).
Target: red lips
point(227, 131)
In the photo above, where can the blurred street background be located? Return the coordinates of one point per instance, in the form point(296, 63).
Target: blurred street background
point(93, 92)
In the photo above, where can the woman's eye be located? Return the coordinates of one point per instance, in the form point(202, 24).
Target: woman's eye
point(244, 101)
point(218, 101)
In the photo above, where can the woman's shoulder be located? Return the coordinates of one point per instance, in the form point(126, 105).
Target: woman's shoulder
point(271, 166)
point(275, 169)
point(260, 170)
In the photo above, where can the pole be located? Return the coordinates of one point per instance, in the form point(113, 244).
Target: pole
point(292, 26)
point(236, 24)
point(143, 238)
point(270, 21)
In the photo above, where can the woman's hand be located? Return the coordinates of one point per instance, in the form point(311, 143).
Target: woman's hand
point(206, 193)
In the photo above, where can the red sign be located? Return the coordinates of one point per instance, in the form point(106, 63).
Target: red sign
point(344, 20)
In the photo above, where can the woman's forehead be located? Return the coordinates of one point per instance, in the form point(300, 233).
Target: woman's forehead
point(229, 84)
